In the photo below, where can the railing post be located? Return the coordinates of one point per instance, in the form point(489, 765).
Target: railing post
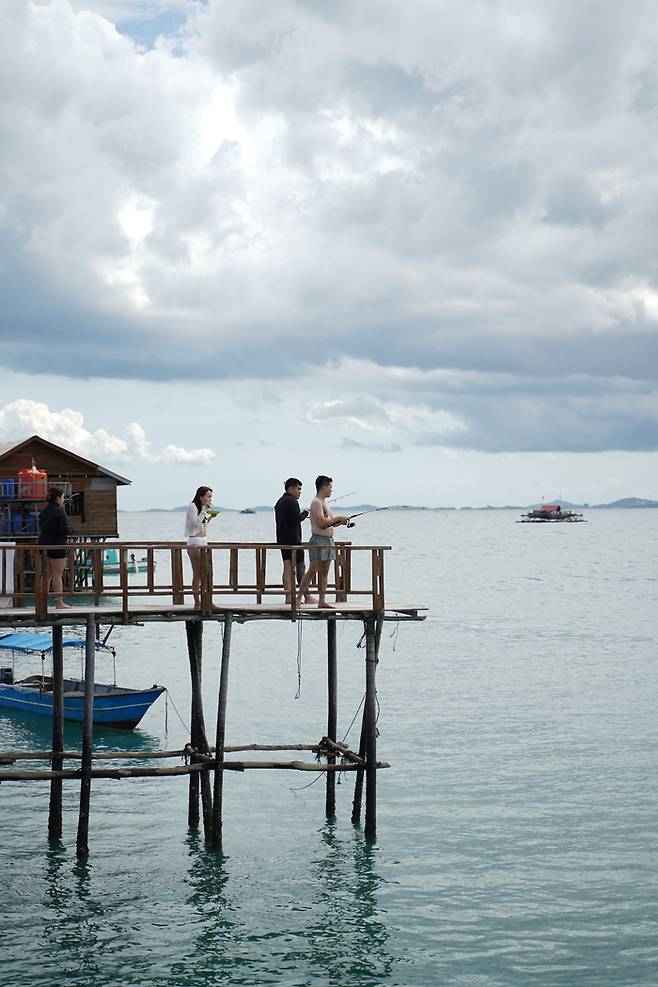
point(259, 578)
point(177, 593)
point(40, 584)
point(150, 570)
point(206, 588)
point(293, 594)
point(97, 572)
point(123, 579)
point(341, 595)
point(377, 579)
point(234, 581)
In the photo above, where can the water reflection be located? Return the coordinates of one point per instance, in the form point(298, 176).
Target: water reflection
point(72, 924)
point(319, 924)
point(349, 935)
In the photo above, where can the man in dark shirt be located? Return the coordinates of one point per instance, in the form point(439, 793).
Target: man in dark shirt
point(289, 532)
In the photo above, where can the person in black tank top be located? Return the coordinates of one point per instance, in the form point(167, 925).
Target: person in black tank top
point(54, 529)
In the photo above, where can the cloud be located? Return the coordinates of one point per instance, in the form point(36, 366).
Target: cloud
point(66, 428)
point(455, 190)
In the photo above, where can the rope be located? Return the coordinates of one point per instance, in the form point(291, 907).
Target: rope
point(354, 718)
point(185, 726)
point(299, 660)
point(394, 635)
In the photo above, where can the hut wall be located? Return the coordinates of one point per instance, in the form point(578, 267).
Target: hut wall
point(95, 513)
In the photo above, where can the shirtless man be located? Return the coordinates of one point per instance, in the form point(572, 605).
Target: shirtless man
point(321, 551)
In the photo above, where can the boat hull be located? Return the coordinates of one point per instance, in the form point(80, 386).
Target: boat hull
point(114, 706)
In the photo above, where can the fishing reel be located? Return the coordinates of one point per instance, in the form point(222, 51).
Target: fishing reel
point(351, 524)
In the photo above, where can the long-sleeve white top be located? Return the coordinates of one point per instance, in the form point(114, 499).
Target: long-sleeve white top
point(195, 522)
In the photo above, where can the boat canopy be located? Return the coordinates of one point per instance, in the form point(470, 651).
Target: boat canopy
point(41, 643)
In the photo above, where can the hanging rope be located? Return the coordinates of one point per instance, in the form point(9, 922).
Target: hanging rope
point(354, 718)
point(299, 659)
point(395, 633)
point(185, 726)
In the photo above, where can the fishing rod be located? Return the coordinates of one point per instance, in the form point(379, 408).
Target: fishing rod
point(373, 510)
point(342, 496)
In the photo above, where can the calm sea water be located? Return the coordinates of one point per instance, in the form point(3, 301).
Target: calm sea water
point(517, 840)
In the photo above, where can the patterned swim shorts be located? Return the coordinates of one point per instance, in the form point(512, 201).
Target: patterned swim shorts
point(325, 551)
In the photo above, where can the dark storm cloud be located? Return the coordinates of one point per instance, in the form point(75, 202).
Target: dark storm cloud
point(458, 188)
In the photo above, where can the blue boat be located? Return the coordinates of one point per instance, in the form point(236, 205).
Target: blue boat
point(114, 705)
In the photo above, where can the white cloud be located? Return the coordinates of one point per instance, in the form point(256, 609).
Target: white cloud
point(444, 189)
point(24, 417)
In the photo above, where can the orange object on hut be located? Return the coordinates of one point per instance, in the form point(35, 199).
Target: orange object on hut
point(32, 484)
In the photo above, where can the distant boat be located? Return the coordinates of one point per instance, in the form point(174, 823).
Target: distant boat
point(114, 705)
point(248, 510)
point(549, 513)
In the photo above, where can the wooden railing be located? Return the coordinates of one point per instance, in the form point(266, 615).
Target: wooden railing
point(149, 569)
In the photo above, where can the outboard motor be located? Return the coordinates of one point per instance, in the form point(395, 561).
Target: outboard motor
point(6, 676)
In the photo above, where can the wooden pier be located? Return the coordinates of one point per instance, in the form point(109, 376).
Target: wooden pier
point(234, 589)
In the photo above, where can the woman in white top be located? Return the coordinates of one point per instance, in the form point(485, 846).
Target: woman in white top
point(197, 520)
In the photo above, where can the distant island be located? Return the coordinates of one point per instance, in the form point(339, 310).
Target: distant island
point(624, 502)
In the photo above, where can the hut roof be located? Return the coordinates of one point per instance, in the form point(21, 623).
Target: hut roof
point(17, 444)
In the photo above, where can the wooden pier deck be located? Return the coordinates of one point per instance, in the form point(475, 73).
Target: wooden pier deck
point(159, 591)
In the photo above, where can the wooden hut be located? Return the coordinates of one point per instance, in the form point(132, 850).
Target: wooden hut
point(90, 490)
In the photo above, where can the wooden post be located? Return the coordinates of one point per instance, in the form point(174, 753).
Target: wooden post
point(370, 719)
point(123, 578)
point(332, 712)
point(293, 594)
point(358, 783)
point(220, 735)
point(198, 730)
point(97, 573)
point(40, 584)
point(57, 761)
point(193, 796)
point(150, 570)
point(82, 844)
point(178, 595)
point(233, 569)
point(260, 574)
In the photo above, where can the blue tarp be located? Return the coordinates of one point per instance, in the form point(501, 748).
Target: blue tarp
point(41, 643)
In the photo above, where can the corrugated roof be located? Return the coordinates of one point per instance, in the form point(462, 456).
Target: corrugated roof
point(6, 447)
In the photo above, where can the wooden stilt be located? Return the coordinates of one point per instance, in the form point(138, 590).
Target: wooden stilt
point(332, 713)
point(203, 745)
point(194, 629)
point(57, 762)
point(358, 784)
point(82, 842)
point(193, 796)
point(370, 721)
point(218, 790)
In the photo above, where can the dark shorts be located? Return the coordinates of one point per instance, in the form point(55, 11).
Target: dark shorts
point(286, 555)
point(55, 553)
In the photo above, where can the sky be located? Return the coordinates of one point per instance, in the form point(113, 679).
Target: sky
point(411, 246)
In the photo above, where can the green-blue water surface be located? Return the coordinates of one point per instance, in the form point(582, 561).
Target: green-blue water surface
point(517, 839)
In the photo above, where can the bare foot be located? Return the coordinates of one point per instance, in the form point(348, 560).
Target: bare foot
point(288, 599)
point(63, 606)
point(310, 599)
point(325, 606)
point(299, 601)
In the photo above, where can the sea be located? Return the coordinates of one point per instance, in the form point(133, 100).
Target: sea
point(517, 840)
